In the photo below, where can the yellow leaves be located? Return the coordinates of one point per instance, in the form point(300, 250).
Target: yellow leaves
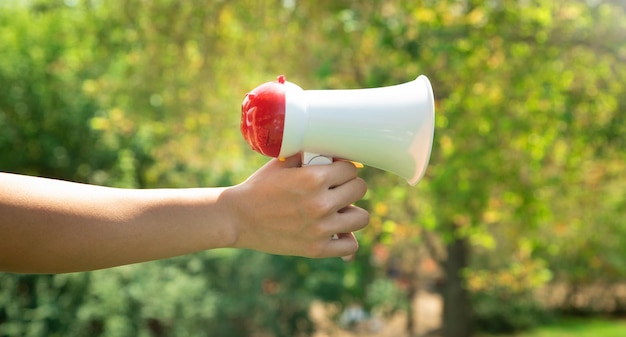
point(561, 228)
point(227, 17)
point(484, 240)
point(570, 11)
point(477, 281)
point(191, 123)
point(541, 15)
point(90, 87)
point(389, 226)
point(99, 124)
point(479, 88)
point(491, 216)
point(517, 277)
point(114, 121)
point(477, 17)
point(425, 14)
point(195, 59)
point(381, 209)
point(449, 14)
point(496, 59)
point(120, 121)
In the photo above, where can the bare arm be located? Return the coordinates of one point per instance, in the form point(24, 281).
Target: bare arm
point(50, 226)
point(56, 226)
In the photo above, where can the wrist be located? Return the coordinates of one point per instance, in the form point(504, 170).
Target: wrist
point(233, 212)
point(230, 219)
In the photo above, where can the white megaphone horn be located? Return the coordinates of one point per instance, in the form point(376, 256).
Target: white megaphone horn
point(390, 128)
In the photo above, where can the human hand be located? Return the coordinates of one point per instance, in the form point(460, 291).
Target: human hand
point(291, 210)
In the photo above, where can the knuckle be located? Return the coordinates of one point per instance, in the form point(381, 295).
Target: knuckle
point(318, 207)
point(314, 178)
point(318, 231)
point(348, 167)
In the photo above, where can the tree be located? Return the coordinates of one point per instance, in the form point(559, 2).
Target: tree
point(515, 98)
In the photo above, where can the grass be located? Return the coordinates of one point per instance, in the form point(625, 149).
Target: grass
point(577, 327)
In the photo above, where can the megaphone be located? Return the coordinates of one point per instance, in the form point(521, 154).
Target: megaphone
point(389, 128)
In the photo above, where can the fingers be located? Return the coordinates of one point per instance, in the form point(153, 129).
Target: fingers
point(335, 174)
point(340, 173)
point(347, 193)
point(345, 246)
point(350, 219)
point(344, 188)
point(340, 177)
point(336, 238)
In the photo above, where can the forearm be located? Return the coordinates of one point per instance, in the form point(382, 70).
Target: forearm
point(51, 226)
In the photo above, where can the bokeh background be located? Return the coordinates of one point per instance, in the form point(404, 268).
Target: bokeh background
point(519, 222)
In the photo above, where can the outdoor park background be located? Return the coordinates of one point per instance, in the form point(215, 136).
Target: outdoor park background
point(519, 222)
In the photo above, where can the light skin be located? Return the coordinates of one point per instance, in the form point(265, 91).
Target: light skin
point(53, 226)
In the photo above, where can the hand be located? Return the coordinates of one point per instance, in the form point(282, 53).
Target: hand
point(291, 210)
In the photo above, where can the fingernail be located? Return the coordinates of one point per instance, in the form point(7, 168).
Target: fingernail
point(357, 164)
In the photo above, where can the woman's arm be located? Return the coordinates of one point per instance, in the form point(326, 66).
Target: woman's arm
point(52, 226)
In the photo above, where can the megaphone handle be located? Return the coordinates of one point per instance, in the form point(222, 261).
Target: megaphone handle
point(309, 158)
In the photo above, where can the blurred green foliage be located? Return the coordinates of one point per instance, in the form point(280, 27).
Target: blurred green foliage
point(527, 171)
point(575, 327)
